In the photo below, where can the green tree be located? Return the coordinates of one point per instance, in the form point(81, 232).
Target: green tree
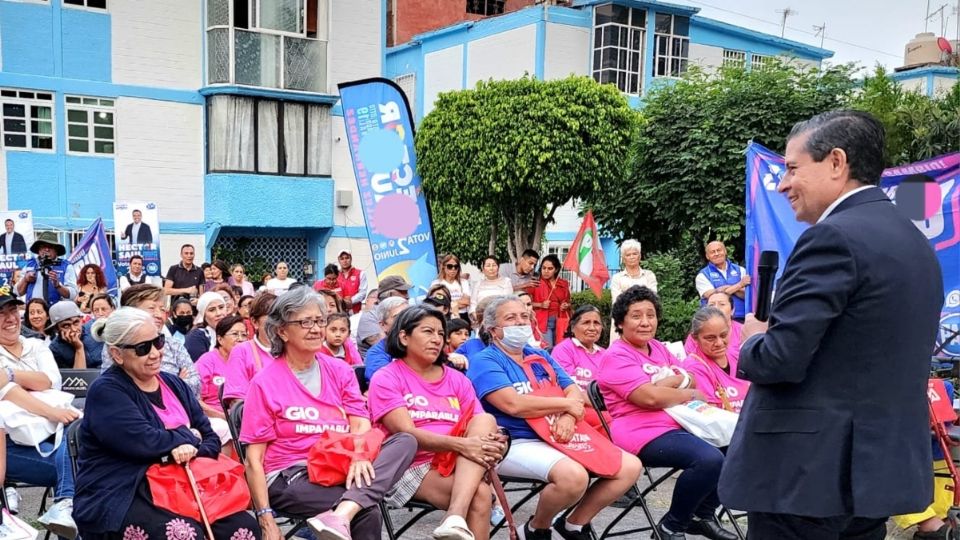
point(466, 230)
point(516, 151)
point(687, 178)
point(918, 127)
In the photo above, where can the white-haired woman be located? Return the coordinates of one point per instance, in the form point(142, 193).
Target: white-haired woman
point(211, 309)
point(136, 415)
point(631, 274)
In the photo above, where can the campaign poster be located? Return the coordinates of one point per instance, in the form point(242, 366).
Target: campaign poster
point(137, 230)
point(15, 244)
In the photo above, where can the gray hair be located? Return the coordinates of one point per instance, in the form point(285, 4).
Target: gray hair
point(490, 313)
point(701, 317)
point(120, 326)
point(284, 307)
point(630, 245)
point(387, 305)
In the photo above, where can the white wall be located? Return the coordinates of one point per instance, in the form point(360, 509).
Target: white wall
point(160, 156)
point(343, 179)
point(442, 72)
point(918, 84)
point(566, 219)
point(942, 85)
point(566, 51)
point(157, 43)
point(170, 249)
point(706, 56)
point(507, 55)
point(355, 38)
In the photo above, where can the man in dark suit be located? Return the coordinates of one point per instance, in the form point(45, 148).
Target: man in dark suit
point(137, 232)
point(13, 241)
point(834, 434)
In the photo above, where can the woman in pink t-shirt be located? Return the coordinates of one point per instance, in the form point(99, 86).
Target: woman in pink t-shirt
point(248, 358)
point(721, 301)
point(639, 378)
point(417, 394)
point(212, 366)
point(289, 405)
point(711, 363)
point(578, 354)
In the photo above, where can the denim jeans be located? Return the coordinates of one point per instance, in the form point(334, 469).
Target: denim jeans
point(695, 493)
point(549, 336)
point(25, 465)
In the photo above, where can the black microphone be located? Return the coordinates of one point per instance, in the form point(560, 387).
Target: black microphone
point(767, 270)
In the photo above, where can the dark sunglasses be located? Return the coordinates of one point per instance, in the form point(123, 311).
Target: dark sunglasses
point(143, 348)
point(452, 266)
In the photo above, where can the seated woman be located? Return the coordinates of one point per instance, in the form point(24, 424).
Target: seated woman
point(337, 342)
point(212, 366)
point(136, 415)
point(329, 282)
point(578, 354)
point(711, 362)
point(290, 403)
point(502, 385)
point(248, 358)
point(417, 394)
point(721, 301)
point(230, 298)
point(211, 309)
point(640, 425)
point(36, 320)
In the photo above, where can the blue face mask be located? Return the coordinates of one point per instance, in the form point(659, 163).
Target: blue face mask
point(515, 337)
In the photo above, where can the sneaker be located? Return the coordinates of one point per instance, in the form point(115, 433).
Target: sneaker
point(13, 499)
point(536, 534)
point(329, 526)
point(59, 519)
point(560, 525)
point(496, 515)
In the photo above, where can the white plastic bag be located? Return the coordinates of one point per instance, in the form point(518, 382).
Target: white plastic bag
point(28, 429)
point(712, 424)
point(14, 528)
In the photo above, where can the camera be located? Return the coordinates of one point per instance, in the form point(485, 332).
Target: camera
point(45, 264)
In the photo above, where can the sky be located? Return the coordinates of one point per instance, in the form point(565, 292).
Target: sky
point(863, 31)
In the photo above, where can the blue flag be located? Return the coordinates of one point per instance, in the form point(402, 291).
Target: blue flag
point(380, 134)
point(771, 224)
point(93, 248)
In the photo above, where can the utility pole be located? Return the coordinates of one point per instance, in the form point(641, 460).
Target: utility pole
point(938, 11)
point(821, 31)
point(786, 12)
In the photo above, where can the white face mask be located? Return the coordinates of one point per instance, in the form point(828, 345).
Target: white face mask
point(515, 337)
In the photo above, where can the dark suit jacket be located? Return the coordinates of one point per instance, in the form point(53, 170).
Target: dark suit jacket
point(836, 421)
point(19, 245)
point(144, 235)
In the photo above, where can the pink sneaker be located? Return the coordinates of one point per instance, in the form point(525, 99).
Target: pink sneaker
point(329, 526)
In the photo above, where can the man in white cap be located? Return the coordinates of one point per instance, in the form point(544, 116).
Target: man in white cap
point(73, 347)
point(352, 281)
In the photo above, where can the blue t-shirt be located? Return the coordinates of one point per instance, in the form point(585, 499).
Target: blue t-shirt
point(471, 347)
point(491, 369)
point(377, 357)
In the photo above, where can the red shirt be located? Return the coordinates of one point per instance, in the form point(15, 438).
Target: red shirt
point(349, 283)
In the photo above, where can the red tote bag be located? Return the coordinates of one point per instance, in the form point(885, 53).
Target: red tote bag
point(587, 447)
point(220, 482)
point(329, 458)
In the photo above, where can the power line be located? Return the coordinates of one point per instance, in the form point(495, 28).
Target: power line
point(767, 21)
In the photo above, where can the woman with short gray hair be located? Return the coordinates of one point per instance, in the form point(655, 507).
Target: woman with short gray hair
point(631, 273)
point(289, 405)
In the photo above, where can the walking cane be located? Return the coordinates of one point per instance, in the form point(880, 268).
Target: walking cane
point(196, 495)
point(494, 480)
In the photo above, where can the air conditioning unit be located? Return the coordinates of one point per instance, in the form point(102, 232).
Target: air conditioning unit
point(344, 198)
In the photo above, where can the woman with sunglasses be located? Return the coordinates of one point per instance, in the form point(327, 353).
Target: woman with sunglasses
point(135, 416)
point(459, 288)
point(290, 403)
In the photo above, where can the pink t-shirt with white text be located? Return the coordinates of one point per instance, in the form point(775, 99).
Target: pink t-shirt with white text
point(709, 375)
point(281, 412)
point(213, 372)
point(242, 366)
point(581, 365)
point(625, 369)
point(433, 406)
point(173, 415)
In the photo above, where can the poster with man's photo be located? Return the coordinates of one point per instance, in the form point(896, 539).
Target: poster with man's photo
point(15, 244)
point(137, 229)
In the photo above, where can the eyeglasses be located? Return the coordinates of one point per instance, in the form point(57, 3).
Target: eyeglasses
point(143, 348)
point(237, 335)
point(307, 324)
point(452, 266)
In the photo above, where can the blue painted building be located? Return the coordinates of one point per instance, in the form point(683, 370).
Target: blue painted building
point(222, 112)
point(633, 44)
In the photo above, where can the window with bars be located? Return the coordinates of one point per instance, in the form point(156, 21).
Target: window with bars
point(618, 39)
point(408, 83)
point(266, 136)
point(759, 61)
point(672, 45)
point(90, 125)
point(485, 7)
point(733, 58)
point(268, 43)
point(27, 119)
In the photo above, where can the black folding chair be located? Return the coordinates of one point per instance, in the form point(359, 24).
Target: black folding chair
point(234, 421)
